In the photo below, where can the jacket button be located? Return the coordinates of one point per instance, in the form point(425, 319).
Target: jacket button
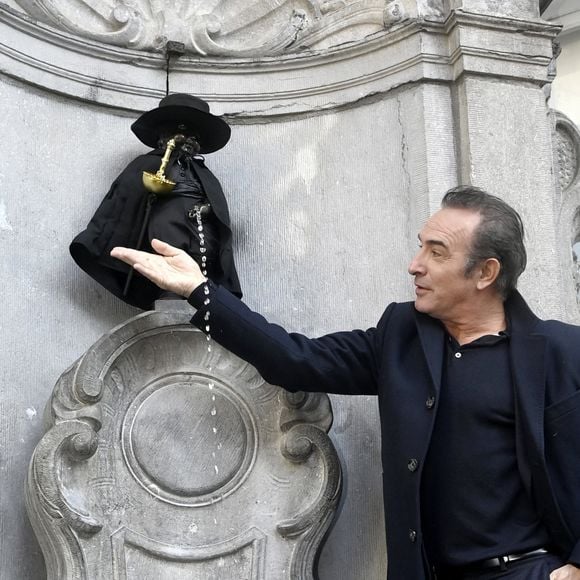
point(412, 535)
point(430, 402)
point(412, 464)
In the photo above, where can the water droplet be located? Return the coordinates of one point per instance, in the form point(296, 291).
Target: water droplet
point(214, 429)
point(213, 411)
point(216, 469)
point(213, 397)
point(219, 445)
point(210, 385)
point(203, 250)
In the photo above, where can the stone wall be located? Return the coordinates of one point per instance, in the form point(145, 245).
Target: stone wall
point(338, 153)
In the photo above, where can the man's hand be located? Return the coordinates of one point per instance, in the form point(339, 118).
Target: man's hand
point(567, 572)
point(170, 269)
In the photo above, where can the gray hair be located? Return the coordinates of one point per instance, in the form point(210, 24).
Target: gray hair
point(499, 235)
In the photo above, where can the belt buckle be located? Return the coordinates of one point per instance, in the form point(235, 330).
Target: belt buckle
point(500, 562)
point(503, 561)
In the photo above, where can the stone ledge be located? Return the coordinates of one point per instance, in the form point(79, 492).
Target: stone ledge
point(241, 88)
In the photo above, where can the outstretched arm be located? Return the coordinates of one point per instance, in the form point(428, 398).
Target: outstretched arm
point(170, 269)
point(342, 362)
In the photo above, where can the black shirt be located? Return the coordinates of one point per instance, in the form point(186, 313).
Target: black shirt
point(474, 505)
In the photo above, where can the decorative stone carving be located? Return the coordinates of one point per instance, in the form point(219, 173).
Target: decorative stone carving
point(433, 9)
point(397, 11)
point(566, 154)
point(419, 47)
point(155, 467)
point(568, 149)
point(511, 9)
point(567, 157)
point(394, 13)
point(256, 28)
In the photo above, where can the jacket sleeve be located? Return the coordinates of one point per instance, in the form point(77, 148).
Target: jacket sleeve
point(562, 449)
point(342, 362)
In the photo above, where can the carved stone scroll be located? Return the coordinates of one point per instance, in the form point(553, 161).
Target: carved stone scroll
point(153, 466)
point(341, 52)
point(255, 28)
point(568, 151)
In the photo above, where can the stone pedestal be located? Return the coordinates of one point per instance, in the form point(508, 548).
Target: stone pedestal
point(349, 120)
point(167, 457)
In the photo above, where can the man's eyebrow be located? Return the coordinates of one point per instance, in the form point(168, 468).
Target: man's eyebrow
point(432, 242)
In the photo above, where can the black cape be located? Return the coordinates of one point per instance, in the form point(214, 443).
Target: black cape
point(118, 221)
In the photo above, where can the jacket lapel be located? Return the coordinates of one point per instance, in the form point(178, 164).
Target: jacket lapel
point(528, 372)
point(528, 366)
point(432, 337)
point(527, 362)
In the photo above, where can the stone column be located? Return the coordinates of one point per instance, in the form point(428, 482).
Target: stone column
point(504, 130)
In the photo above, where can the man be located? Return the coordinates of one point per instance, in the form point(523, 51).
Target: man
point(129, 215)
point(479, 399)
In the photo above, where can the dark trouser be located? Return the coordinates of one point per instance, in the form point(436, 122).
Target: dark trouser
point(532, 568)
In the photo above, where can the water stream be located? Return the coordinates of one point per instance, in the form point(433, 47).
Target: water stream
point(203, 266)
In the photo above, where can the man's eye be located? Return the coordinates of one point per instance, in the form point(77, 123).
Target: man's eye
point(435, 253)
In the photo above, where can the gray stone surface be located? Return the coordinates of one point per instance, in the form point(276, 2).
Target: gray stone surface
point(215, 28)
point(166, 457)
point(567, 160)
point(254, 89)
point(342, 155)
point(525, 9)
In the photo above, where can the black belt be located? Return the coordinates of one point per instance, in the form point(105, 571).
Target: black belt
point(489, 564)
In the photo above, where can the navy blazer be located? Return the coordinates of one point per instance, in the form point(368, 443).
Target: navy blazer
point(400, 360)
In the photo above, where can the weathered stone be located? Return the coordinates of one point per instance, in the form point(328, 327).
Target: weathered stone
point(185, 465)
point(259, 28)
point(337, 156)
point(566, 153)
point(525, 9)
point(414, 48)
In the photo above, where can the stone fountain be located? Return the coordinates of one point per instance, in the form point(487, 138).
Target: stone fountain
point(146, 473)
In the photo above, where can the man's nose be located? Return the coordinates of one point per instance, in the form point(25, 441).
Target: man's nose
point(415, 267)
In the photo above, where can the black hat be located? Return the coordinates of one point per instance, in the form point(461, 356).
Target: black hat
point(182, 109)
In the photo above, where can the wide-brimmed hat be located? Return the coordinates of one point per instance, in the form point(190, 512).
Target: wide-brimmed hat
point(182, 109)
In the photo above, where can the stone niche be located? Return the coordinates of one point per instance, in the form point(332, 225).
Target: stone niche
point(167, 457)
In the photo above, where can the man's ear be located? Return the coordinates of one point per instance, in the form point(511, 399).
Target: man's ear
point(488, 273)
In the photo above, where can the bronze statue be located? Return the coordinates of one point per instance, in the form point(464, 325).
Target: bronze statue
point(167, 194)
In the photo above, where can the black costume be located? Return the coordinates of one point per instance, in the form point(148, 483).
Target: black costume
point(130, 216)
point(119, 218)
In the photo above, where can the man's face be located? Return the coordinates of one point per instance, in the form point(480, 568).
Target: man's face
point(441, 288)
